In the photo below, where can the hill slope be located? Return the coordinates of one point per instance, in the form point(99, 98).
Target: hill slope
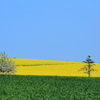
point(50, 67)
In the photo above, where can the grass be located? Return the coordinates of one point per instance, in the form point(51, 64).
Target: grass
point(28, 87)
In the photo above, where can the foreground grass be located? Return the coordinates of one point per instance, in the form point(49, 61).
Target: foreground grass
point(17, 87)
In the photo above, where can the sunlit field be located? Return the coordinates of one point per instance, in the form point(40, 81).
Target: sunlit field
point(31, 87)
point(52, 68)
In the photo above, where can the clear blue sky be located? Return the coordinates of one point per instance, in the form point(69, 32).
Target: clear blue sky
point(66, 30)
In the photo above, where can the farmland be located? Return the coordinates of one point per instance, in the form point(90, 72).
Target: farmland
point(50, 80)
point(30, 87)
point(52, 68)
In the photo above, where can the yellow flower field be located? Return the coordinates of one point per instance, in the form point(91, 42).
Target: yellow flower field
point(50, 67)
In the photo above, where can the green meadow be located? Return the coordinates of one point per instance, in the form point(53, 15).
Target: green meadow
point(30, 87)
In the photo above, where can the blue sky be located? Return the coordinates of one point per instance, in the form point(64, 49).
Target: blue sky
point(66, 30)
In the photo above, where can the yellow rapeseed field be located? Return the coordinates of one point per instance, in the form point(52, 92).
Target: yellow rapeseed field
point(50, 67)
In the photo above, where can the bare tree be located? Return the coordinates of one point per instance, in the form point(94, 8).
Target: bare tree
point(88, 68)
point(7, 65)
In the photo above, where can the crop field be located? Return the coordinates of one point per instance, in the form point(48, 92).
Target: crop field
point(30, 87)
point(52, 68)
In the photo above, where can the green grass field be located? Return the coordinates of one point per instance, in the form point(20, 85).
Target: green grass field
point(17, 87)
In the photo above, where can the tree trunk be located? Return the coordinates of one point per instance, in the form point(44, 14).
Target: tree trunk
point(89, 70)
point(89, 74)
